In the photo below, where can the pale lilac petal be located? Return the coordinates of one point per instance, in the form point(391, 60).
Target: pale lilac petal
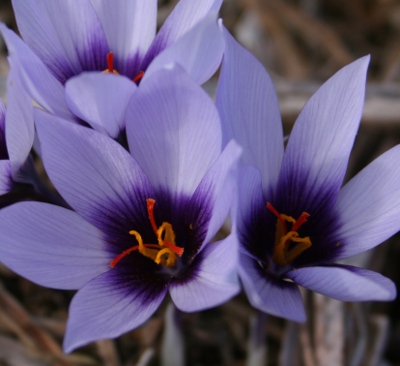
point(20, 131)
point(92, 172)
point(173, 131)
point(50, 245)
point(186, 14)
point(100, 100)
point(270, 294)
point(345, 283)
point(130, 27)
point(109, 305)
point(5, 176)
point(3, 143)
point(199, 51)
point(219, 186)
point(38, 81)
point(317, 153)
point(249, 110)
point(68, 38)
point(369, 205)
point(250, 194)
point(215, 281)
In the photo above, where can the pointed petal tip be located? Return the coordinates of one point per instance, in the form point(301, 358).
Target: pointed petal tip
point(369, 205)
point(345, 282)
point(362, 63)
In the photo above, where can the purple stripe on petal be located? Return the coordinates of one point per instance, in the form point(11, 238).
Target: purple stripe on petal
point(199, 51)
point(185, 15)
point(319, 146)
point(111, 304)
point(130, 27)
point(6, 182)
point(129, 67)
point(20, 130)
point(38, 81)
point(346, 283)
point(92, 172)
point(3, 144)
point(249, 109)
point(189, 218)
point(215, 280)
point(100, 100)
point(296, 196)
point(173, 130)
point(257, 225)
point(269, 293)
point(219, 185)
point(369, 204)
point(68, 38)
point(50, 245)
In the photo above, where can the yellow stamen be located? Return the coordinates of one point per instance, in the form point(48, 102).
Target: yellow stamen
point(284, 238)
point(165, 252)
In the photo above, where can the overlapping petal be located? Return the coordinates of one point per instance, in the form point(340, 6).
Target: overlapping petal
point(39, 82)
point(109, 305)
point(130, 27)
point(3, 143)
point(186, 14)
point(93, 173)
point(269, 293)
point(369, 205)
point(68, 38)
point(199, 51)
point(5, 176)
point(215, 281)
point(173, 131)
point(20, 131)
point(249, 194)
point(345, 283)
point(51, 245)
point(248, 105)
point(219, 186)
point(319, 146)
point(100, 100)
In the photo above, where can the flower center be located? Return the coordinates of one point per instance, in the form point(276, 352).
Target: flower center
point(288, 245)
point(110, 68)
point(165, 252)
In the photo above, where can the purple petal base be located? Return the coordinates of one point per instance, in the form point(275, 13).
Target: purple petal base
point(113, 303)
point(269, 293)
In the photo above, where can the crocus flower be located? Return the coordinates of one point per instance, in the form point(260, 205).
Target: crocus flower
point(63, 39)
point(143, 221)
point(293, 218)
point(18, 178)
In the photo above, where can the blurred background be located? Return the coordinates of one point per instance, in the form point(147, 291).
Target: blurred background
point(301, 43)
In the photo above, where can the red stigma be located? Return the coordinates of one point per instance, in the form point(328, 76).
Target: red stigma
point(166, 242)
point(110, 62)
point(150, 211)
point(300, 221)
point(138, 77)
point(278, 216)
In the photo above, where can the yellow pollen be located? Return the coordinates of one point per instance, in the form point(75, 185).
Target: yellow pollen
point(165, 252)
point(288, 245)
